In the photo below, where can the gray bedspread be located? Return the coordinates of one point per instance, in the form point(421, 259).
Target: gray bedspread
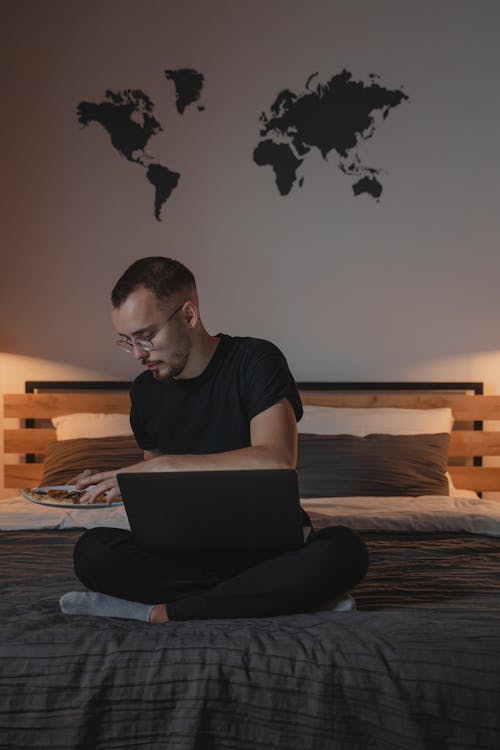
point(416, 666)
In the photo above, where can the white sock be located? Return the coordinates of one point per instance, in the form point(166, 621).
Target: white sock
point(101, 605)
point(345, 603)
point(340, 603)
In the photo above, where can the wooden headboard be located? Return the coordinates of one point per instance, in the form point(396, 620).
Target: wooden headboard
point(469, 441)
point(44, 400)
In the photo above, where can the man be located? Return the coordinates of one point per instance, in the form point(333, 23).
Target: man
point(204, 402)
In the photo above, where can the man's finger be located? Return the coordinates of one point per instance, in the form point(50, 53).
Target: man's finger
point(106, 486)
point(90, 495)
point(96, 479)
point(80, 477)
point(91, 479)
point(111, 495)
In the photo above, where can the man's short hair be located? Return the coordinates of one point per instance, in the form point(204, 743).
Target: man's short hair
point(163, 276)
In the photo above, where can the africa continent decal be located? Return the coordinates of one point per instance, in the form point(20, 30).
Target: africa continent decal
point(335, 116)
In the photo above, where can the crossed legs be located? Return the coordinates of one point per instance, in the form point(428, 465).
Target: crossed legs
point(331, 562)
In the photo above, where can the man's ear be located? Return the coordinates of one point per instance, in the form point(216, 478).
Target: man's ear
point(191, 313)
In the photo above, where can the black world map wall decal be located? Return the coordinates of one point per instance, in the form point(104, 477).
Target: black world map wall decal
point(332, 117)
point(336, 116)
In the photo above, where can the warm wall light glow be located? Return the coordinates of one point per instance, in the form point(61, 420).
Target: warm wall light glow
point(16, 369)
point(479, 366)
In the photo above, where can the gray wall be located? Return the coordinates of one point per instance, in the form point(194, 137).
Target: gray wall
point(350, 288)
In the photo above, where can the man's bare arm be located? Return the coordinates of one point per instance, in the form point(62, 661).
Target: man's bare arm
point(273, 438)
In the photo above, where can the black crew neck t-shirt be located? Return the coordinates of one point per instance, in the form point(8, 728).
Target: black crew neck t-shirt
point(211, 413)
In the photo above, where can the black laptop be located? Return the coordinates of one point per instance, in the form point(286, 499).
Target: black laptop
point(214, 510)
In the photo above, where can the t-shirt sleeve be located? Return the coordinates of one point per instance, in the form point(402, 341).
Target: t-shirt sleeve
point(268, 380)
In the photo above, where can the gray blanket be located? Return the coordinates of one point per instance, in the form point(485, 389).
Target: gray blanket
point(416, 666)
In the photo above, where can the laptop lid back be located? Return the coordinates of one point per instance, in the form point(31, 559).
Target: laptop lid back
point(214, 510)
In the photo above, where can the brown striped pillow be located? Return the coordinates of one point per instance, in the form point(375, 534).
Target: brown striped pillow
point(64, 459)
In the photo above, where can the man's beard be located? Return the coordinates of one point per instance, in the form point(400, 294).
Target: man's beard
point(173, 368)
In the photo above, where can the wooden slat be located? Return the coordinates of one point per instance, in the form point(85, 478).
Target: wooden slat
point(47, 405)
point(479, 478)
point(468, 443)
point(22, 475)
point(463, 407)
point(28, 441)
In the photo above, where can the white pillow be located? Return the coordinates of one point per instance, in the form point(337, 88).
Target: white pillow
point(82, 425)
point(333, 420)
point(456, 492)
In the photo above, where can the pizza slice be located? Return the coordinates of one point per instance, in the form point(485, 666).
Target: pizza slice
point(68, 497)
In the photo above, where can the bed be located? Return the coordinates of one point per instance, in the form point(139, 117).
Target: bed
point(417, 665)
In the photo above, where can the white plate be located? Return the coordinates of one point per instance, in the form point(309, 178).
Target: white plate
point(69, 488)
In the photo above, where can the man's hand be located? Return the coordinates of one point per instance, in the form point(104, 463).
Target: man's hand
point(79, 477)
point(95, 482)
point(103, 481)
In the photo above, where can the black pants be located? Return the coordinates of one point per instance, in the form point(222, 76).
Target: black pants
point(197, 587)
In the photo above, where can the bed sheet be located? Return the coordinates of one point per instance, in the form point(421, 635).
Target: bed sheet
point(439, 513)
point(17, 513)
point(425, 514)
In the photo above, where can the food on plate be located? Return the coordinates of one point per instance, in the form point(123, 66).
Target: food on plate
point(61, 496)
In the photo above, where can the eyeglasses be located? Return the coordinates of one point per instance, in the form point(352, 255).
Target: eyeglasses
point(146, 343)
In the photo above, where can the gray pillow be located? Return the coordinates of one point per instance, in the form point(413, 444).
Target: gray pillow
point(375, 465)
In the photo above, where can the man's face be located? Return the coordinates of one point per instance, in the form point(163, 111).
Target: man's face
point(142, 316)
